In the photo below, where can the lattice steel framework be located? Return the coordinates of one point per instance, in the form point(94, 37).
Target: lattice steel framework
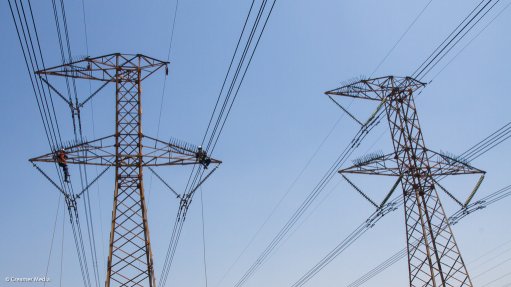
point(433, 255)
point(130, 261)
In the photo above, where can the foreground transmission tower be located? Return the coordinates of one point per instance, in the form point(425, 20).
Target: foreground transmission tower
point(130, 261)
point(433, 255)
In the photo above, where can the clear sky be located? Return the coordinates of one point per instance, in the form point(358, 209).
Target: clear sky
point(279, 120)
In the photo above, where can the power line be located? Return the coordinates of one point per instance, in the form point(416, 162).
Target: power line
point(46, 111)
point(496, 279)
point(48, 118)
point(236, 82)
point(471, 40)
point(401, 37)
point(197, 174)
point(78, 134)
point(94, 136)
point(62, 249)
point(176, 7)
point(231, 88)
point(96, 169)
point(348, 241)
point(286, 193)
point(228, 71)
point(349, 149)
point(453, 38)
point(45, 102)
point(439, 47)
point(203, 240)
point(83, 173)
point(52, 237)
point(172, 28)
point(489, 252)
point(493, 267)
point(459, 39)
point(85, 28)
point(306, 217)
point(174, 239)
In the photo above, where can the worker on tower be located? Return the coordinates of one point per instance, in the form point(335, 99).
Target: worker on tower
point(202, 157)
point(61, 158)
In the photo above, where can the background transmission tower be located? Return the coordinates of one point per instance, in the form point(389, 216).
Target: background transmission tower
point(130, 261)
point(433, 255)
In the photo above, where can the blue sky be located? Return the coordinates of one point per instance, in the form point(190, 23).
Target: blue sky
point(279, 120)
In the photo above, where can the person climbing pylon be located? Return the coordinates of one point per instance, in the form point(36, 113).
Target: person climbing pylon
point(61, 158)
point(202, 157)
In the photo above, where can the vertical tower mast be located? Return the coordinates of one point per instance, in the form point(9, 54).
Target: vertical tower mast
point(425, 219)
point(433, 255)
point(130, 260)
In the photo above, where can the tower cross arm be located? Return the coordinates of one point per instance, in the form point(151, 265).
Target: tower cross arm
point(104, 68)
point(101, 152)
point(174, 152)
point(375, 89)
point(374, 164)
point(442, 164)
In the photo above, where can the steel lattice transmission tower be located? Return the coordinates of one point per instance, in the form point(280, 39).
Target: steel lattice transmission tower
point(130, 260)
point(433, 255)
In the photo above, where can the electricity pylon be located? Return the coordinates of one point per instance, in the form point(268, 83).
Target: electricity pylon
point(433, 255)
point(130, 260)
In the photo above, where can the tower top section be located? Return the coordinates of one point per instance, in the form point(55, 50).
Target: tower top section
point(376, 89)
point(107, 68)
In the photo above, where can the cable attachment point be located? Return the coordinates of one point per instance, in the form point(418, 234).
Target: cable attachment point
point(71, 202)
